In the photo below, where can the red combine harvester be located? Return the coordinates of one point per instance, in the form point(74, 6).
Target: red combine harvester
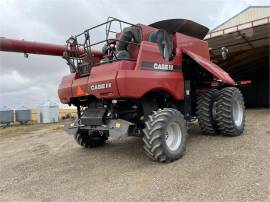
point(148, 81)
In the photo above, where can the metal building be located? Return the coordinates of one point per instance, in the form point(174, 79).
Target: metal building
point(23, 115)
point(6, 115)
point(246, 37)
point(49, 112)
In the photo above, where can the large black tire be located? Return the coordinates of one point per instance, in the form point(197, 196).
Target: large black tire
point(165, 135)
point(205, 113)
point(230, 112)
point(90, 140)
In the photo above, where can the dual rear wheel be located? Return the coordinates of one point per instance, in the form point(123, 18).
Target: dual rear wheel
point(221, 112)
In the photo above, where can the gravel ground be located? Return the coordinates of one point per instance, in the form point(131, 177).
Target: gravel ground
point(42, 163)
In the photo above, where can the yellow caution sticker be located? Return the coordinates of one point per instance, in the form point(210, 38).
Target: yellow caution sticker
point(117, 125)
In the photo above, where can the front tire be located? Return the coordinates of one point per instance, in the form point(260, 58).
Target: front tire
point(165, 135)
point(230, 112)
point(94, 139)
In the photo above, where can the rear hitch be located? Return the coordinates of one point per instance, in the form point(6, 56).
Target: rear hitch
point(117, 128)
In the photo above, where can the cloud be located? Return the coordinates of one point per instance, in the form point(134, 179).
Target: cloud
point(12, 81)
point(17, 90)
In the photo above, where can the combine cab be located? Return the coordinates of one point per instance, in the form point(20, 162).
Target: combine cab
point(146, 81)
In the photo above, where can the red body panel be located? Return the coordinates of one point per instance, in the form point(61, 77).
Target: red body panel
point(192, 44)
point(105, 73)
point(211, 67)
point(64, 89)
point(134, 84)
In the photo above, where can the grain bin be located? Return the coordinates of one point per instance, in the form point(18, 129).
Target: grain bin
point(6, 115)
point(23, 115)
point(49, 112)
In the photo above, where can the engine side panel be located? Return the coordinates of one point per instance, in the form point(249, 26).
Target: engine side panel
point(152, 72)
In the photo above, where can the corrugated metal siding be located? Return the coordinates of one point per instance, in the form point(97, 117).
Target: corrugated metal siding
point(248, 15)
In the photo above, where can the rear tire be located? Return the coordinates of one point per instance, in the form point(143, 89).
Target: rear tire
point(230, 112)
point(165, 135)
point(205, 112)
point(86, 140)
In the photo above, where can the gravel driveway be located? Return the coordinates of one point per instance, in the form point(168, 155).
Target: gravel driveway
point(42, 163)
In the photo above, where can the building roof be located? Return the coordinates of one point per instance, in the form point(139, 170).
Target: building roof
point(260, 14)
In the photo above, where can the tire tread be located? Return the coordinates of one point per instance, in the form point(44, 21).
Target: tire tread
point(204, 112)
point(224, 113)
point(153, 146)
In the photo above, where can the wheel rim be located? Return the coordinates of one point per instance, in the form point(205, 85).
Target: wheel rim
point(173, 136)
point(238, 112)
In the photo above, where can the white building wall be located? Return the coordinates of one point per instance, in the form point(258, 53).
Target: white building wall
point(250, 14)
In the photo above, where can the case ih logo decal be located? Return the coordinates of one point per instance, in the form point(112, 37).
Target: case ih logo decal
point(160, 67)
point(165, 67)
point(100, 86)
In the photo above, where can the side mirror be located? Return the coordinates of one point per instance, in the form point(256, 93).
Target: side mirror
point(224, 53)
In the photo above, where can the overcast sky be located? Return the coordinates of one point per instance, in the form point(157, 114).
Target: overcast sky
point(34, 80)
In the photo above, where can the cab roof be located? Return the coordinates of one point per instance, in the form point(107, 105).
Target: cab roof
point(183, 26)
